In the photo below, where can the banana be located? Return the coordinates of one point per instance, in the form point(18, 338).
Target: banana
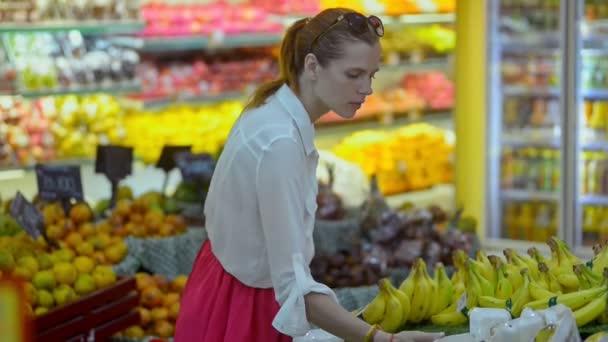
point(600, 261)
point(552, 283)
point(565, 250)
point(407, 286)
point(568, 280)
point(564, 272)
point(421, 295)
point(594, 278)
point(432, 285)
point(545, 334)
point(375, 309)
point(573, 300)
point(538, 292)
point(521, 296)
point(405, 302)
point(514, 275)
point(485, 267)
point(583, 280)
point(472, 289)
point(493, 302)
point(597, 337)
point(591, 310)
point(443, 289)
point(534, 253)
point(504, 289)
point(393, 314)
point(448, 319)
point(487, 289)
point(525, 262)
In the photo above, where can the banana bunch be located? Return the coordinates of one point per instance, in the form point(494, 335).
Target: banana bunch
point(563, 268)
point(390, 308)
point(423, 291)
point(600, 260)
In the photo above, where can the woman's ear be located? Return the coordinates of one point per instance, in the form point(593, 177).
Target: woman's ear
point(311, 66)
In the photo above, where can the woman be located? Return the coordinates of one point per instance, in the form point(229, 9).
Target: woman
point(251, 280)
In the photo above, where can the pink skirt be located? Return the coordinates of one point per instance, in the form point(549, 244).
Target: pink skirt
point(216, 307)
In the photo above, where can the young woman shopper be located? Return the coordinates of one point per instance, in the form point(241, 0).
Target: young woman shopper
point(251, 279)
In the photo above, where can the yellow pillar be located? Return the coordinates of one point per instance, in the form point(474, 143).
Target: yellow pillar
point(470, 112)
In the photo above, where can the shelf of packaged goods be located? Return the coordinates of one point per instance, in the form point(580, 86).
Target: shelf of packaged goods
point(86, 27)
point(528, 195)
point(162, 44)
point(116, 89)
point(542, 91)
point(531, 138)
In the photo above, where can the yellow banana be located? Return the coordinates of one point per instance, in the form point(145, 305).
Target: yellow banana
point(536, 290)
point(565, 251)
point(472, 289)
point(514, 275)
point(447, 319)
point(591, 310)
point(504, 289)
point(573, 300)
point(493, 302)
point(405, 302)
point(535, 254)
point(552, 283)
point(487, 289)
point(443, 289)
point(521, 296)
point(407, 286)
point(594, 279)
point(597, 337)
point(375, 309)
point(450, 316)
point(583, 281)
point(393, 314)
point(431, 286)
point(564, 272)
point(485, 268)
point(420, 296)
point(523, 262)
point(600, 261)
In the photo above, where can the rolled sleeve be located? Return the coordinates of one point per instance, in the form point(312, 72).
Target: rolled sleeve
point(280, 183)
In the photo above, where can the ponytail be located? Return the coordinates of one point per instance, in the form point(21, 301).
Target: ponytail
point(290, 64)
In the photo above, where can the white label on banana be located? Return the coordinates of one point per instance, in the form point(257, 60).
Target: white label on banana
point(462, 302)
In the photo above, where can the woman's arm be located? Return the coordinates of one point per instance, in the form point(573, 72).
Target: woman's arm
point(325, 313)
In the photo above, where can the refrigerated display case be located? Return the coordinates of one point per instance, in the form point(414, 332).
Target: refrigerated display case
point(548, 121)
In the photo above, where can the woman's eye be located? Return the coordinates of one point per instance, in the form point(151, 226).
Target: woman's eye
point(352, 75)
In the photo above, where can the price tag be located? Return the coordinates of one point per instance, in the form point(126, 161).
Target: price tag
point(166, 161)
point(59, 182)
point(195, 168)
point(114, 161)
point(461, 305)
point(27, 215)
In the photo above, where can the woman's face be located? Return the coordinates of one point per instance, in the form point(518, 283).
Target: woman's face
point(344, 83)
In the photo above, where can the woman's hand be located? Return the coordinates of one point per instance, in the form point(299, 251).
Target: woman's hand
point(410, 336)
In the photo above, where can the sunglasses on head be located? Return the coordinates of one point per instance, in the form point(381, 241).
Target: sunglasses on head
point(357, 22)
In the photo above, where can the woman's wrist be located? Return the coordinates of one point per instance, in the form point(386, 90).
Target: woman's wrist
point(382, 336)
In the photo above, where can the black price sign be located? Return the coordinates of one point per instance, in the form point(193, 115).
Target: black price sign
point(59, 182)
point(167, 158)
point(27, 215)
point(114, 161)
point(195, 168)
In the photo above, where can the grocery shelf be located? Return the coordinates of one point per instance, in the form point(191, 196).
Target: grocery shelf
point(87, 27)
point(531, 138)
point(600, 200)
point(595, 94)
point(159, 103)
point(162, 44)
point(422, 18)
point(528, 195)
point(111, 88)
point(529, 91)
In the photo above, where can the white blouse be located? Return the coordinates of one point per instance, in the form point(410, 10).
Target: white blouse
point(261, 205)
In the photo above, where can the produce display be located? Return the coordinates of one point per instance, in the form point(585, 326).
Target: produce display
point(148, 131)
point(513, 283)
point(413, 157)
point(54, 277)
point(159, 300)
point(7, 73)
point(393, 7)
point(68, 61)
point(211, 75)
point(410, 43)
point(30, 11)
point(25, 136)
point(171, 20)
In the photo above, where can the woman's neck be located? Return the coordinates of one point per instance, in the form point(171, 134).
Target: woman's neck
point(313, 105)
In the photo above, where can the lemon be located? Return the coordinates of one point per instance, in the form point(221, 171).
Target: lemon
point(65, 273)
point(7, 262)
point(44, 280)
point(64, 294)
point(45, 261)
point(29, 262)
point(45, 299)
point(85, 284)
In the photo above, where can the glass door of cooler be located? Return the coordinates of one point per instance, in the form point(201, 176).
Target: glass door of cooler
point(524, 128)
point(592, 156)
